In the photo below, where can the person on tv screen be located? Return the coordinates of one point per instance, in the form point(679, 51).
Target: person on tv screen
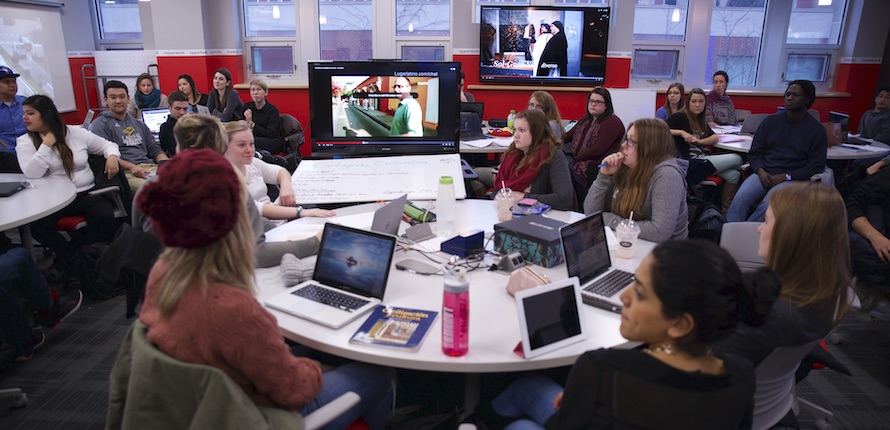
point(543, 39)
point(554, 59)
point(408, 119)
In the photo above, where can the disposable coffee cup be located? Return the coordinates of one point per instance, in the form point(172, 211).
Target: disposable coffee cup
point(627, 233)
point(504, 202)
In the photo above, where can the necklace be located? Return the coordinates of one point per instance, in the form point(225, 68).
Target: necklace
point(666, 348)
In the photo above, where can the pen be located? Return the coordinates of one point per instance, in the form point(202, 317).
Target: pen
point(599, 166)
point(851, 147)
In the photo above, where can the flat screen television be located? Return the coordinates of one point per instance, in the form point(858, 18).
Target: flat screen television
point(383, 108)
point(543, 45)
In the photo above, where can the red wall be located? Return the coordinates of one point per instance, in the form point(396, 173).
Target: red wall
point(77, 116)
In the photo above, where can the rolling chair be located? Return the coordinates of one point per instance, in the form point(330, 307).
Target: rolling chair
point(116, 189)
point(741, 240)
point(292, 131)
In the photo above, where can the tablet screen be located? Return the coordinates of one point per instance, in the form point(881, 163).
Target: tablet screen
point(550, 316)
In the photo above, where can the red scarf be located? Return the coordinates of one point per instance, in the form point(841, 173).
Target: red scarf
point(514, 178)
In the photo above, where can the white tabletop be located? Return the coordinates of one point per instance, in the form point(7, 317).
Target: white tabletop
point(31, 204)
point(494, 327)
point(840, 152)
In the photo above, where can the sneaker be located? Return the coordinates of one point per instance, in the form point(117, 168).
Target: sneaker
point(62, 308)
point(37, 339)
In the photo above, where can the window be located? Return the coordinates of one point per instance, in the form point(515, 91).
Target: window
point(734, 44)
point(422, 53)
point(119, 20)
point(272, 60)
point(423, 18)
point(656, 64)
point(345, 29)
point(480, 3)
point(592, 3)
point(269, 18)
point(815, 22)
point(813, 67)
point(660, 20)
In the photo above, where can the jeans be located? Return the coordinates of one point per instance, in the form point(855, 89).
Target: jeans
point(373, 384)
point(19, 274)
point(751, 195)
point(728, 166)
point(528, 397)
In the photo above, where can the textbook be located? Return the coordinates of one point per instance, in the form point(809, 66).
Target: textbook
point(395, 327)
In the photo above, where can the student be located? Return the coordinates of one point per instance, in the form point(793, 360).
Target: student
point(224, 102)
point(258, 173)
point(875, 123)
point(673, 103)
point(146, 96)
point(721, 110)
point(263, 118)
point(870, 227)
point(178, 104)
point(804, 240)
point(534, 166)
point(678, 310)
point(544, 102)
point(200, 305)
point(53, 149)
point(691, 132)
point(186, 84)
point(140, 153)
point(11, 124)
point(646, 179)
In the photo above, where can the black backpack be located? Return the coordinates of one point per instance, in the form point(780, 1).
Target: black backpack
point(705, 219)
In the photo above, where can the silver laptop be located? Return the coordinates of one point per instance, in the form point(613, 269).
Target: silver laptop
point(587, 257)
point(349, 279)
point(153, 118)
point(88, 119)
point(388, 218)
point(752, 121)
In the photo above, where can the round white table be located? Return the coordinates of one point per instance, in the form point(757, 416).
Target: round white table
point(840, 152)
point(47, 196)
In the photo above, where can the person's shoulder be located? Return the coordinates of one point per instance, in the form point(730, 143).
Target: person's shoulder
point(19, 99)
point(677, 166)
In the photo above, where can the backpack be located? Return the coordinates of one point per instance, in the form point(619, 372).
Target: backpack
point(705, 219)
point(85, 272)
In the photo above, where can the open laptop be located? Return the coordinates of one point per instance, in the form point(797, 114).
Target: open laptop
point(751, 123)
point(471, 127)
point(153, 118)
point(388, 218)
point(475, 107)
point(587, 257)
point(844, 121)
point(350, 277)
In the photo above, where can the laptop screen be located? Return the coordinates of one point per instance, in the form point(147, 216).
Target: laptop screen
point(585, 247)
point(475, 107)
point(551, 316)
point(154, 118)
point(470, 124)
point(354, 260)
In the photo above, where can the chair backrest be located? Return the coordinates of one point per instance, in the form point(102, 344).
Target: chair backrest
point(292, 131)
point(826, 177)
point(775, 394)
point(742, 239)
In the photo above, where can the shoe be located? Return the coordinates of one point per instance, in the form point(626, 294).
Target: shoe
point(62, 308)
point(37, 339)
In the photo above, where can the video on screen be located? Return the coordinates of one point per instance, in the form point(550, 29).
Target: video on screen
point(397, 106)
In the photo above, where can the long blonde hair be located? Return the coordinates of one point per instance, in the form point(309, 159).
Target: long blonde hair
point(810, 247)
point(654, 145)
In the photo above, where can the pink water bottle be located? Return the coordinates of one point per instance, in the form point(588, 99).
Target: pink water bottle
point(456, 312)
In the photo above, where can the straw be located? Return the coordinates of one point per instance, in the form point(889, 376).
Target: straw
point(503, 185)
point(631, 216)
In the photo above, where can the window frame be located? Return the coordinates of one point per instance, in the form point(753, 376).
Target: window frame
point(251, 42)
point(112, 44)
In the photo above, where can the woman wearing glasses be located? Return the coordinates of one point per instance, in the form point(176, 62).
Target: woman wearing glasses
point(646, 179)
point(597, 134)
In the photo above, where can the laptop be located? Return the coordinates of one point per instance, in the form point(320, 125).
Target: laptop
point(549, 317)
point(844, 121)
point(587, 257)
point(350, 277)
point(751, 123)
point(388, 218)
point(153, 118)
point(475, 107)
point(471, 127)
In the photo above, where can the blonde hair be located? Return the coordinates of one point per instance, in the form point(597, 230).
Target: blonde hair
point(810, 247)
point(233, 127)
point(654, 144)
point(198, 131)
point(260, 83)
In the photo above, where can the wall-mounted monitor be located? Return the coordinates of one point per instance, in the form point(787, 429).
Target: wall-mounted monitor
point(543, 45)
point(383, 108)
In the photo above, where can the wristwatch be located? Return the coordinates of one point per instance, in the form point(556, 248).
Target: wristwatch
point(299, 211)
point(787, 176)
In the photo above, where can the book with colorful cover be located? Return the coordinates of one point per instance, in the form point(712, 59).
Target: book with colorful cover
point(391, 326)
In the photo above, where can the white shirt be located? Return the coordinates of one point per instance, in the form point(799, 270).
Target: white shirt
point(45, 161)
point(257, 174)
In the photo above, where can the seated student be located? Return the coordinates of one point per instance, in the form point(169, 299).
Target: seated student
point(224, 102)
point(53, 149)
point(534, 166)
point(870, 228)
point(678, 310)
point(465, 96)
point(139, 151)
point(597, 134)
point(721, 110)
point(258, 173)
point(804, 240)
point(878, 165)
point(200, 305)
point(186, 84)
point(691, 131)
point(646, 179)
point(146, 96)
point(11, 124)
point(262, 117)
point(178, 103)
point(673, 103)
point(544, 102)
point(788, 146)
point(875, 123)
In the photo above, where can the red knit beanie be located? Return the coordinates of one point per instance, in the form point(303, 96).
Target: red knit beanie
point(195, 200)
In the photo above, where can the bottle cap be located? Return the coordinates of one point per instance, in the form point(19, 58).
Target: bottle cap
point(446, 180)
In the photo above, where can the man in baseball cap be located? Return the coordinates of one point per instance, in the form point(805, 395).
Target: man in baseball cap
point(11, 124)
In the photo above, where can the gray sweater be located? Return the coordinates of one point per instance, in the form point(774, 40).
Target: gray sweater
point(553, 186)
point(664, 214)
point(134, 139)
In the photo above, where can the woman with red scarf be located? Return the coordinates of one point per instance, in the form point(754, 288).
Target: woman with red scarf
point(534, 166)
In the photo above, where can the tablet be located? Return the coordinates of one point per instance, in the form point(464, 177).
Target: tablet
point(9, 188)
point(550, 317)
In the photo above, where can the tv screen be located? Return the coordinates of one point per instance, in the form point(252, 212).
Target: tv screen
point(543, 45)
point(384, 108)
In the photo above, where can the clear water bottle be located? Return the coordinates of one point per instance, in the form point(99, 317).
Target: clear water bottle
point(456, 312)
point(445, 206)
point(511, 119)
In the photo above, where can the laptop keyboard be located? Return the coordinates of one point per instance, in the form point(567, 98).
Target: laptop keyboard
point(610, 284)
point(330, 297)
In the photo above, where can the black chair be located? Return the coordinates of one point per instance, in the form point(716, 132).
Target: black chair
point(292, 131)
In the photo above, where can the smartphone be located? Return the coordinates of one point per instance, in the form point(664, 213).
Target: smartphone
point(418, 267)
point(527, 202)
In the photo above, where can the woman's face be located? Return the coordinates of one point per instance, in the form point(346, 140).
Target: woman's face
point(257, 94)
point(219, 81)
point(719, 84)
point(533, 103)
point(642, 319)
point(146, 86)
point(766, 233)
point(674, 96)
point(522, 135)
point(629, 148)
point(184, 86)
point(33, 121)
point(696, 104)
point(596, 105)
point(241, 147)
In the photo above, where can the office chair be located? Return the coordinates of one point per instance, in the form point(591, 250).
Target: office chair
point(292, 131)
point(116, 189)
point(742, 239)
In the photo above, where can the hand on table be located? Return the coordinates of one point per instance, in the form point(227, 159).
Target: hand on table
point(318, 213)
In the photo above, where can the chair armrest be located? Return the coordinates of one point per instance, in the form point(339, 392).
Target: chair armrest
point(114, 193)
point(105, 190)
point(327, 413)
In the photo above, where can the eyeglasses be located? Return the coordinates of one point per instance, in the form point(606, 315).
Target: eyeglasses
point(401, 86)
point(629, 142)
point(596, 102)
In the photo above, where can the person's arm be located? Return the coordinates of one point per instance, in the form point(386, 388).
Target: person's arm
point(152, 148)
point(611, 133)
point(35, 163)
point(270, 128)
point(213, 102)
point(874, 168)
point(286, 195)
point(667, 192)
point(580, 398)
point(757, 153)
point(884, 132)
point(561, 192)
point(878, 241)
point(233, 107)
point(99, 146)
point(595, 200)
point(816, 155)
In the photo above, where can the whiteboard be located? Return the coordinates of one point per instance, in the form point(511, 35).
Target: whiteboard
point(377, 178)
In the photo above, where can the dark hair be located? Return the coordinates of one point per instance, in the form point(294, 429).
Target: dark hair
point(188, 78)
point(608, 99)
point(681, 104)
point(50, 116)
point(713, 291)
point(225, 72)
point(177, 96)
point(115, 84)
point(545, 26)
point(697, 123)
point(809, 90)
point(558, 24)
point(138, 93)
point(721, 73)
point(882, 88)
point(224, 97)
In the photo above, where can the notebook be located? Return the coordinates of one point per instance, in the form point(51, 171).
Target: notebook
point(752, 121)
point(587, 257)
point(9, 188)
point(153, 118)
point(350, 277)
point(471, 127)
point(388, 218)
point(550, 317)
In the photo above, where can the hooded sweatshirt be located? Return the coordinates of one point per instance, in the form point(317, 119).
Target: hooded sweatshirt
point(134, 139)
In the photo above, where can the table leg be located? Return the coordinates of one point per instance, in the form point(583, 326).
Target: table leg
point(472, 389)
point(27, 240)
